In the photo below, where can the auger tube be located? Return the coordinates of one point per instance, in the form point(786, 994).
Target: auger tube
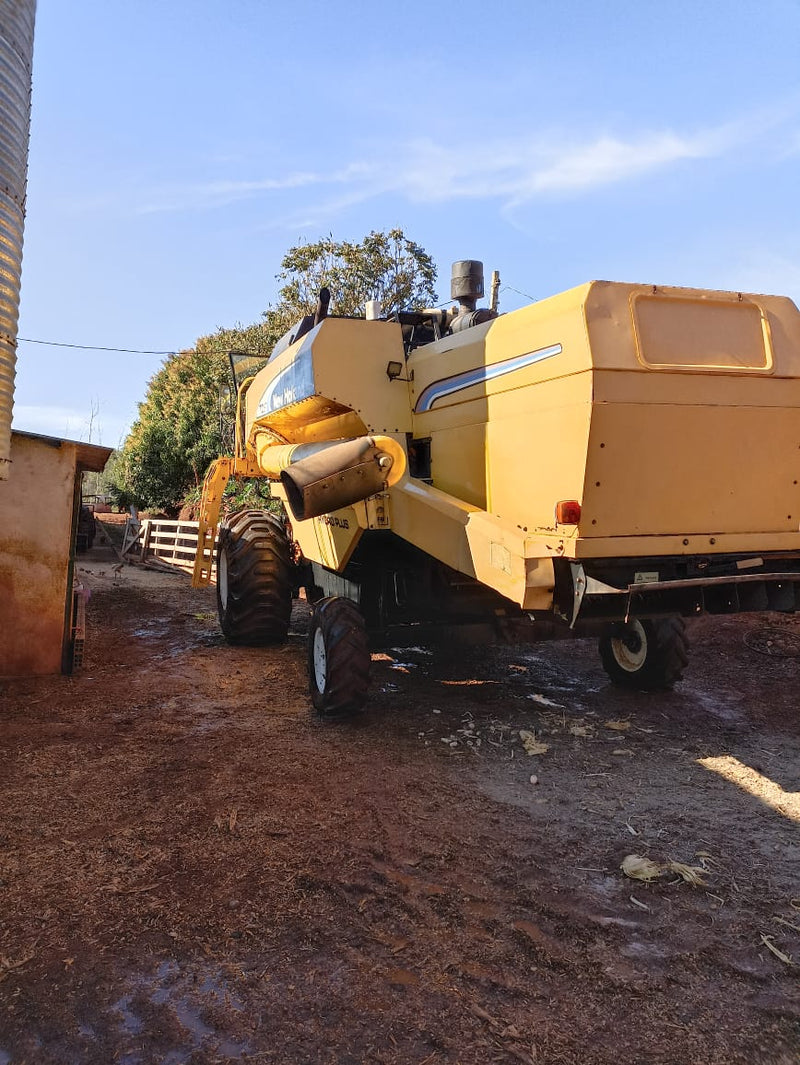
point(322, 477)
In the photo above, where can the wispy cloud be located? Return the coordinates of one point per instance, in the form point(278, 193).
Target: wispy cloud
point(511, 171)
point(211, 194)
point(608, 161)
point(203, 195)
point(518, 170)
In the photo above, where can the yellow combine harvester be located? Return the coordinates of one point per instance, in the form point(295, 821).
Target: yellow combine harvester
point(611, 460)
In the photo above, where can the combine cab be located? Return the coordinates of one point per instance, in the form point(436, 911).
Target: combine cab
point(609, 461)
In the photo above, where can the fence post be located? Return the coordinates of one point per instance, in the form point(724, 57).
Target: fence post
point(146, 525)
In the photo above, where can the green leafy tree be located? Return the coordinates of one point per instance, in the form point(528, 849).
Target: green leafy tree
point(179, 431)
point(384, 266)
point(111, 482)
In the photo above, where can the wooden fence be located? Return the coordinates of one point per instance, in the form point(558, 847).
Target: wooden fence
point(173, 542)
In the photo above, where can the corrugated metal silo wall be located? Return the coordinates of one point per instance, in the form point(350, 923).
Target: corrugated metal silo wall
point(16, 53)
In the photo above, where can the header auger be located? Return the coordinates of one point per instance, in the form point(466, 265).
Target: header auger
point(608, 461)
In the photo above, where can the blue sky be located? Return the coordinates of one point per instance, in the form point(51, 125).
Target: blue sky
point(179, 149)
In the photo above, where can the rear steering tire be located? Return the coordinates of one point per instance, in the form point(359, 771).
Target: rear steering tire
point(254, 579)
point(338, 657)
point(649, 654)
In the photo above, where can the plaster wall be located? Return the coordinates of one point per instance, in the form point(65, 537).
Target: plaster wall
point(35, 540)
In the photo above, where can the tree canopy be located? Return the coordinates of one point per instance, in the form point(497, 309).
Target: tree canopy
point(383, 266)
point(179, 431)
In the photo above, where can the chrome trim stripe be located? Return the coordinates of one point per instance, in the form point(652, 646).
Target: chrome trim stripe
point(449, 385)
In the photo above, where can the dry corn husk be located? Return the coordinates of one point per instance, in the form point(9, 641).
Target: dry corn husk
point(531, 744)
point(639, 868)
point(692, 874)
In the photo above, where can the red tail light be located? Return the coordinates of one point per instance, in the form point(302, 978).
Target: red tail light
point(568, 512)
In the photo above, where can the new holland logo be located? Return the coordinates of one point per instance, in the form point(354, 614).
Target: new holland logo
point(449, 385)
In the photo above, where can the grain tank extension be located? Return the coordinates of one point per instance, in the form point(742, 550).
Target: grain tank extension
point(608, 461)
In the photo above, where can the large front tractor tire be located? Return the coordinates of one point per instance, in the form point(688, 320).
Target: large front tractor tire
point(254, 578)
point(647, 655)
point(338, 657)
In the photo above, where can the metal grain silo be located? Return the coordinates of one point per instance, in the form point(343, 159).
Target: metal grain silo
point(16, 52)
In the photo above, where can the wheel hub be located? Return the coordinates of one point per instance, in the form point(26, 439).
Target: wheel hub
point(630, 647)
point(320, 661)
point(222, 578)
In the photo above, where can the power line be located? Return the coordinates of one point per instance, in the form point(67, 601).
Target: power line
point(130, 351)
point(91, 347)
point(519, 292)
point(193, 351)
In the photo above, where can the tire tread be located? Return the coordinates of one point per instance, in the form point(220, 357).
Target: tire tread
point(259, 579)
point(348, 656)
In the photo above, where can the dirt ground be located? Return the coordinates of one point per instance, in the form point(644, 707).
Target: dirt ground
point(194, 869)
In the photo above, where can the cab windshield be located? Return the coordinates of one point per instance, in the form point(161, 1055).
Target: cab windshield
point(244, 366)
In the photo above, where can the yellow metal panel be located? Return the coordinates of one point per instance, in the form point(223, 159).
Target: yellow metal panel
point(433, 521)
point(537, 440)
point(506, 442)
point(478, 544)
point(655, 469)
point(505, 559)
point(331, 539)
point(350, 360)
point(556, 320)
point(306, 393)
point(458, 462)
